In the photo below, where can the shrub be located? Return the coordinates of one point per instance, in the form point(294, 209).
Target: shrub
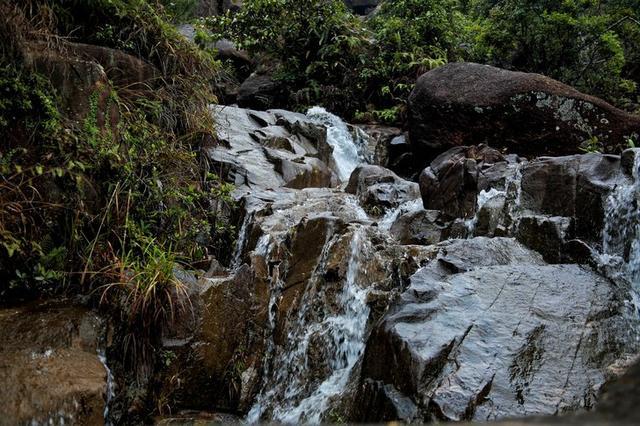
point(325, 55)
point(114, 201)
point(580, 42)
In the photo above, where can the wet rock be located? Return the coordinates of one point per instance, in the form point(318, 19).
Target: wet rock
point(385, 143)
point(554, 205)
point(489, 217)
point(270, 149)
point(453, 180)
point(192, 418)
point(225, 315)
point(487, 330)
point(422, 227)
point(547, 236)
point(528, 114)
point(383, 403)
point(572, 186)
point(314, 243)
point(379, 189)
point(49, 365)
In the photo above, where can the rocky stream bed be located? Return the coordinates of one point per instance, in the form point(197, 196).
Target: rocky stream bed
point(492, 287)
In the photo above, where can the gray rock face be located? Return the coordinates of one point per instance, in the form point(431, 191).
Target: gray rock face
point(484, 332)
point(531, 115)
point(385, 143)
point(49, 365)
point(423, 227)
point(270, 149)
point(554, 205)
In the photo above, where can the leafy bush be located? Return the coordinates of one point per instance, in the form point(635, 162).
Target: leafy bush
point(112, 201)
point(583, 43)
point(325, 55)
point(312, 44)
point(411, 37)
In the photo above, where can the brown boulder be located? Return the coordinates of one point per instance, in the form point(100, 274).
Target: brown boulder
point(452, 181)
point(50, 372)
point(528, 114)
point(208, 364)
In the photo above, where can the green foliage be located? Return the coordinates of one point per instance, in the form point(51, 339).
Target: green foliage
point(592, 145)
point(112, 201)
point(410, 38)
point(584, 43)
point(325, 55)
point(180, 10)
point(313, 44)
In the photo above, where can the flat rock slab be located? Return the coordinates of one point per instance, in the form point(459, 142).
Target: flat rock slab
point(504, 338)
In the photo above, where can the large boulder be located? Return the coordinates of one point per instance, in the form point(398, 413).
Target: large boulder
point(487, 330)
point(528, 114)
point(50, 369)
point(261, 92)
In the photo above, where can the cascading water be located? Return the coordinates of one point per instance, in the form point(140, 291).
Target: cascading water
point(483, 198)
point(110, 393)
point(348, 152)
point(621, 234)
point(392, 215)
point(242, 239)
point(290, 394)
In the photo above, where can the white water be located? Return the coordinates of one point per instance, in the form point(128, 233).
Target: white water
point(347, 152)
point(242, 239)
point(289, 392)
point(483, 198)
point(621, 234)
point(392, 215)
point(110, 387)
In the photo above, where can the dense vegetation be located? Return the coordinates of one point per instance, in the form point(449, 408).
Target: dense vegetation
point(104, 192)
point(322, 54)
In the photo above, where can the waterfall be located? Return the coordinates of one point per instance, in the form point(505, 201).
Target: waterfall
point(110, 392)
point(483, 197)
point(392, 215)
point(621, 234)
point(290, 394)
point(242, 239)
point(347, 152)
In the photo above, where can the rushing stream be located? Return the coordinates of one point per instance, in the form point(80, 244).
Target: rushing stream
point(348, 152)
point(110, 392)
point(621, 234)
point(289, 393)
point(316, 335)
